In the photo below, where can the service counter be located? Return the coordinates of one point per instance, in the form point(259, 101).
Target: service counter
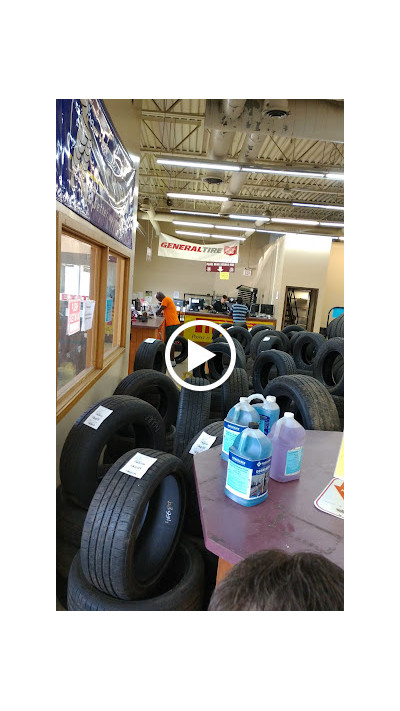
point(154, 327)
point(203, 334)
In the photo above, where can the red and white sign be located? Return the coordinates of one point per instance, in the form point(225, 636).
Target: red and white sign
point(331, 500)
point(67, 297)
point(74, 316)
point(172, 247)
point(220, 267)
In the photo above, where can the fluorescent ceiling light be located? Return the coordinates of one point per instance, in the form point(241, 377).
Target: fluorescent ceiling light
point(231, 237)
point(294, 222)
point(284, 172)
point(198, 164)
point(332, 224)
point(325, 207)
point(186, 196)
point(253, 218)
point(192, 224)
point(191, 212)
point(191, 234)
point(273, 232)
point(224, 227)
point(335, 176)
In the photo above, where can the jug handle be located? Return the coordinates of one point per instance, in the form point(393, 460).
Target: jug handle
point(257, 395)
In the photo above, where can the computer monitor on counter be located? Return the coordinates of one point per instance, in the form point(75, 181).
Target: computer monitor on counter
point(267, 309)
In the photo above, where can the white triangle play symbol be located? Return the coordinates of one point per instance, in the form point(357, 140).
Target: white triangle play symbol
point(197, 355)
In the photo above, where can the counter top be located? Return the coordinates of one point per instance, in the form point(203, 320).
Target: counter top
point(152, 322)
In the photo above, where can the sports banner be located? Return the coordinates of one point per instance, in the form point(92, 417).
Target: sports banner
point(172, 247)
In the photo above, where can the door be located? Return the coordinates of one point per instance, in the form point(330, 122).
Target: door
point(300, 307)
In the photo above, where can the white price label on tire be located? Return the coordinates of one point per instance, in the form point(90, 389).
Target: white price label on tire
point(138, 465)
point(202, 443)
point(267, 338)
point(97, 417)
point(149, 340)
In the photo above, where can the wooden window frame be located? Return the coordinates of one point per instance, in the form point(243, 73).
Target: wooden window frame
point(69, 394)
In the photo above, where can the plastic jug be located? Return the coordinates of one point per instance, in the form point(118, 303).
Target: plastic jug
point(267, 409)
point(287, 437)
point(249, 465)
point(235, 422)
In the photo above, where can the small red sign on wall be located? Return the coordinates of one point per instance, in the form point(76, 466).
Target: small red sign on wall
point(219, 267)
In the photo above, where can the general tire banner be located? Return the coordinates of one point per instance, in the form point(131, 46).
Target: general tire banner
point(178, 249)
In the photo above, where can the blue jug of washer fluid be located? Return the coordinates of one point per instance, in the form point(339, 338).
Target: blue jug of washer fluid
point(235, 422)
point(267, 409)
point(249, 464)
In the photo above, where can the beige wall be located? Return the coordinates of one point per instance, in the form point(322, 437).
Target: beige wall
point(334, 286)
point(187, 276)
point(129, 133)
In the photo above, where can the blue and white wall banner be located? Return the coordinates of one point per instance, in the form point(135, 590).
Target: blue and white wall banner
point(95, 174)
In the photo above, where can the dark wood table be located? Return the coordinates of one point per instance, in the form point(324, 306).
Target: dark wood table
point(154, 327)
point(287, 520)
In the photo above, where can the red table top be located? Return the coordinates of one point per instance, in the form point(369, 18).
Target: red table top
point(287, 520)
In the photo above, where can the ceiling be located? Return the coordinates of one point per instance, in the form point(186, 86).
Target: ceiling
point(180, 129)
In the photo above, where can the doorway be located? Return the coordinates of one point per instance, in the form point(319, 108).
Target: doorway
point(300, 307)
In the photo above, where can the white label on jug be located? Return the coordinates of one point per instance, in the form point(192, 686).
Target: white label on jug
point(97, 417)
point(138, 465)
point(264, 423)
point(246, 478)
point(149, 340)
point(293, 461)
point(202, 443)
point(231, 431)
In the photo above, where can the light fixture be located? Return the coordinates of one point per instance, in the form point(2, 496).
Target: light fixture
point(186, 196)
point(191, 212)
point(272, 171)
point(332, 224)
point(334, 176)
point(202, 234)
point(192, 234)
point(231, 237)
point(192, 224)
point(199, 164)
point(224, 227)
point(325, 207)
point(253, 218)
point(294, 222)
point(273, 232)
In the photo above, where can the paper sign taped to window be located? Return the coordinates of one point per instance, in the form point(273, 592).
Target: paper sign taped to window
point(331, 500)
point(74, 316)
point(202, 443)
point(97, 417)
point(138, 465)
point(87, 319)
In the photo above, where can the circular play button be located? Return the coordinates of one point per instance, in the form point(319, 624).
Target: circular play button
point(197, 355)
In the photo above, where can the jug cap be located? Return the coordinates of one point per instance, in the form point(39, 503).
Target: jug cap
point(288, 414)
point(253, 425)
point(270, 398)
point(243, 399)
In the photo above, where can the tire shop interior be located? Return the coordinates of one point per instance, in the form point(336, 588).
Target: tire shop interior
point(149, 194)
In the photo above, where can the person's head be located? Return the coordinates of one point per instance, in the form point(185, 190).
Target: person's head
point(275, 580)
point(239, 300)
point(160, 296)
point(224, 298)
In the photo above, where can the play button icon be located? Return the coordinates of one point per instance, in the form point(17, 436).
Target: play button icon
point(197, 355)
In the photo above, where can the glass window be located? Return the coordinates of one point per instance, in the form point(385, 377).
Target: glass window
point(74, 353)
point(112, 333)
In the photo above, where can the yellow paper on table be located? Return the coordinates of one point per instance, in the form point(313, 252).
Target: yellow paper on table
point(339, 471)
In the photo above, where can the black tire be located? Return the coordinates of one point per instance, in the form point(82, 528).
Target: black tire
point(256, 340)
point(150, 356)
point(216, 404)
point(169, 440)
point(243, 336)
point(292, 340)
point(336, 327)
point(235, 387)
point(61, 591)
point(146, 383)
point(83, 447)
point(338, 369)
point(269, 343)
point(181, 588)
point(69, 519)
point(339, 402)
point(249, 370)
point(260, 327)
point(308, 399)
point(269, 363)
point(293, 327)
point(210, 561)
point(305, 349)
point(218, 365)
point(181, 341)
point(65, 553)
point(193, 413)
point(192, 521)
point(116, 447)
point(133, 526)
point(239, 350)
point(324, 360)
point(283, 337)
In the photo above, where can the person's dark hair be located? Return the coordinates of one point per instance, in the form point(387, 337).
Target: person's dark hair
point(239, 300)
point(224, 296)
point(275, 580)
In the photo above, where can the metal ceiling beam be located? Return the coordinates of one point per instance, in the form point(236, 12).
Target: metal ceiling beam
point(172, 116)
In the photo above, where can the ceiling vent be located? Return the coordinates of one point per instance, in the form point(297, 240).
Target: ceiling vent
point(145, 205)
point(213, 180)
point(276, 108)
